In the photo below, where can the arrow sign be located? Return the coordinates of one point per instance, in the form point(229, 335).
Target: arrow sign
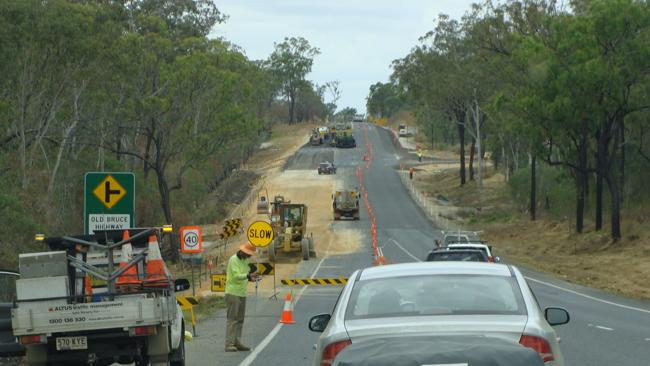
point(263, 268)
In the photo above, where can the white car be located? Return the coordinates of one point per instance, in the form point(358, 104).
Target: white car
point(487, 249)
point(438, 299)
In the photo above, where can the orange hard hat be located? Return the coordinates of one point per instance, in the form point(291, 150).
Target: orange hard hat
point(248, 248)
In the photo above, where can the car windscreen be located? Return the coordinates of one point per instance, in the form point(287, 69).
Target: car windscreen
point(433, 295)
point(457, 256)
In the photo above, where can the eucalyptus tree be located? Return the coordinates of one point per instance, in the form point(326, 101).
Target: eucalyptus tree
point(291, 61)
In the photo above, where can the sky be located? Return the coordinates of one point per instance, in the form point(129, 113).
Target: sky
point(358, 39)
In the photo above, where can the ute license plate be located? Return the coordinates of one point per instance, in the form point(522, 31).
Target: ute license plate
point(71, 343)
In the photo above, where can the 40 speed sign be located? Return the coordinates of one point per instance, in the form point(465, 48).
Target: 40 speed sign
point(191, 241)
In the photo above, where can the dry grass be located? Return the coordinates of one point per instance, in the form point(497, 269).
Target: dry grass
point(547, 244)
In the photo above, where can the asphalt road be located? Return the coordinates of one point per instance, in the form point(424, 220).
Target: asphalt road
point(605, 330)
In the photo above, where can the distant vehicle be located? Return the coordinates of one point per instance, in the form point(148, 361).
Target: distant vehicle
point(315, 139)
point(403, 130)
point(457, 236)
point(487, 249)
point(461, 255)
point(358, 118)
point(405, 302)
point(346, 141)
point(345, 203)
point(8, 344)
point(326, 168)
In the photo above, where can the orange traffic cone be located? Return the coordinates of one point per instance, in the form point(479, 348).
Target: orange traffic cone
point(128, 280)
point(287, 312)
point(88, 288)
point(157, 275)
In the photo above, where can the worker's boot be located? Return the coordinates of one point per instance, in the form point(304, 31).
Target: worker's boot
point(241, 347)
point(231, 348)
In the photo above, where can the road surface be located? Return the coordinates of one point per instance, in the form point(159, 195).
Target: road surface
point(605, 330)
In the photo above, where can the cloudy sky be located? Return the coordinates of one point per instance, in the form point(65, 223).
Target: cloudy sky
point(358, 39)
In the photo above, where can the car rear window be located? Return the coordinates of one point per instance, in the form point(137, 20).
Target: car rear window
point(449, 239)
point(435, 295)
point(457, 255)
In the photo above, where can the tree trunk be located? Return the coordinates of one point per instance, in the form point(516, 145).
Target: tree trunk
point(580, 201)
point(600, 168)
point(165, 202)
point(292, 106)
point(461, 136)
point(581, 179)
point(472, 149)
point(533, 187)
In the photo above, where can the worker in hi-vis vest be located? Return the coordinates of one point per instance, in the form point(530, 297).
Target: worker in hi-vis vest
point(237, 277)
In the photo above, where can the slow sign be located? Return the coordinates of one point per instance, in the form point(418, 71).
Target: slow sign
point(260, 233)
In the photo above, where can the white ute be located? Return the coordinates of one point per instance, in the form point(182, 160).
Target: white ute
point(99, 299)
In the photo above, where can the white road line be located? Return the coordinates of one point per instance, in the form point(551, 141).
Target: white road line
point(265, 342)
point(604, 328)
point(590, 297)
point(647, 339)
point(405, 251)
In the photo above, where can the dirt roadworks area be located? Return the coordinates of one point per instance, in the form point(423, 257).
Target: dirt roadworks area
point(288, 168)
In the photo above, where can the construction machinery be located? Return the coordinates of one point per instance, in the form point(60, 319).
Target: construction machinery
point(289, 222)
point(315, 139)
point(345, 203)
point(262, 205)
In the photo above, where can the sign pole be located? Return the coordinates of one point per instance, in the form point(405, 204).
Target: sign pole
point(193, 282)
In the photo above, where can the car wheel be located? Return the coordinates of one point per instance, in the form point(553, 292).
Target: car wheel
point(178, 356)
point(304, 246)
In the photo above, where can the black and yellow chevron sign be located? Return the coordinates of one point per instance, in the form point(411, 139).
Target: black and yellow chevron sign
point(263, 268)
point(187, 302)
point(230, 228)
point(314, 281)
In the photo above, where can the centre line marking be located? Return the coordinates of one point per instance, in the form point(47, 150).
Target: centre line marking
point(405, 251)
point(604, 328)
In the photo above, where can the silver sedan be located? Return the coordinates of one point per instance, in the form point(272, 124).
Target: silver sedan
point(438, 299)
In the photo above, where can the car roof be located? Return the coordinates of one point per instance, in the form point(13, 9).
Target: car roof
point(435, 268)
point(467, 245)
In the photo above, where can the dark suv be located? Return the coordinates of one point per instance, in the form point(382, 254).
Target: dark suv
point(8, 344)
point(457, 255)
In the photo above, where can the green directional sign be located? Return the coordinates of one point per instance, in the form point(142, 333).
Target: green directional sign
point(109, 201)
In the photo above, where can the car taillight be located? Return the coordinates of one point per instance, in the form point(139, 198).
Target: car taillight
point(331, 350)
point(143, 331)
point(32, 339)
point(540, 345)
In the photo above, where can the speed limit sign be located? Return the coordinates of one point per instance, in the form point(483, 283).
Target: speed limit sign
point(191, 241)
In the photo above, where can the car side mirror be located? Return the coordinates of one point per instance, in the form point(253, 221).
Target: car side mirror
point(319, 322)
point(181, 284)
point(556, 316)
point(497, 259)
